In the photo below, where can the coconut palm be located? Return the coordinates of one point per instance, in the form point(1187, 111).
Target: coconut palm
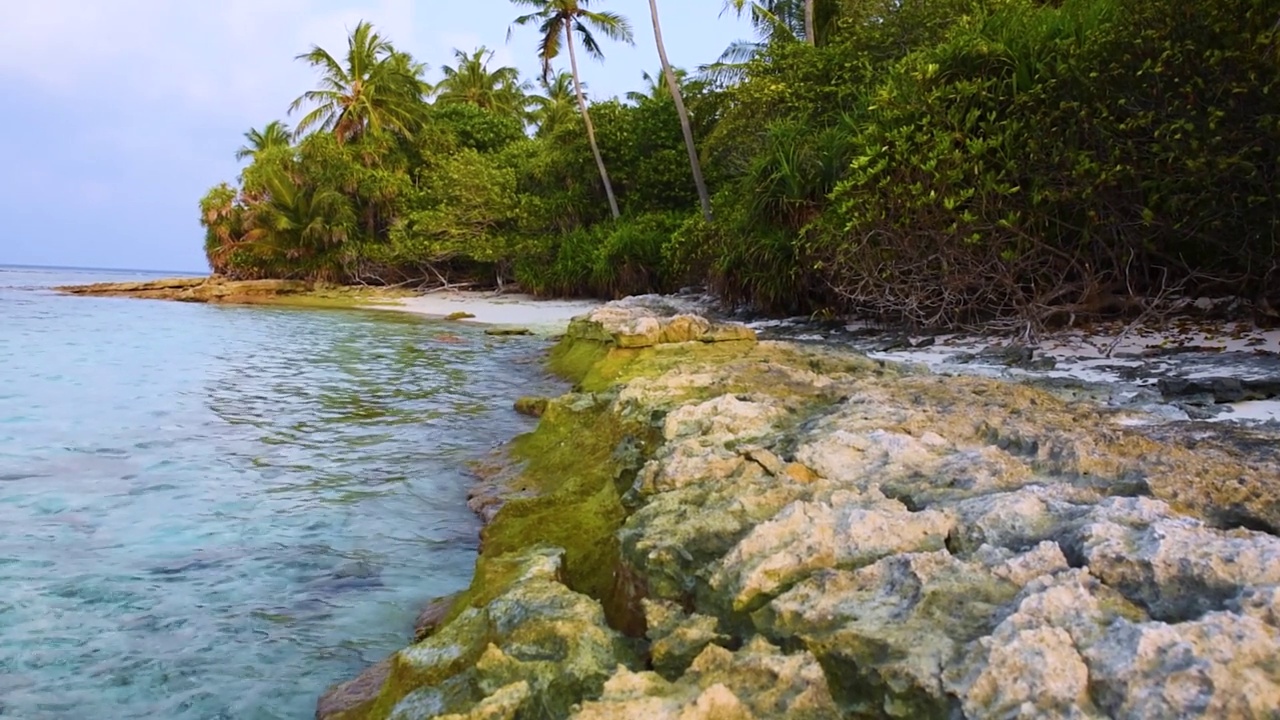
point(773, 20)
point(655, 87)
point(558, 21)
point(673, 85)
point(374, 88)
point(770, 18)
point(558, 107)
point(273, 135)
point(471, 81)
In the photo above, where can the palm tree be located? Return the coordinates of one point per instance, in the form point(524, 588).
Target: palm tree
point(556, 18)
point(769, 17)
point(275, 134)
point(773, 20)
point(374, 88)
point(471, 81)
point(557, 108)
point(304, 227)
point(655, 88)
point(673, 85)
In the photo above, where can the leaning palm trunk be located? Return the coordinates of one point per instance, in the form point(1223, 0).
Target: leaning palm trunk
point(674, 85)
point(810, 31)
point(591, 130)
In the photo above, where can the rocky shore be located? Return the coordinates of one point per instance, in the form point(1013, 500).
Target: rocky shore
point(714, 527)
point(216, 289)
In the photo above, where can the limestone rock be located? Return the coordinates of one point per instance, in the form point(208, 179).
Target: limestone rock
point(758, 681)
point(537, 640)
point(1178, 568)
point(677, 638)
point(850, 531)
point(639, 327)
point(501, 705)
point(722, 419)
point(1030, 666)
point(766, 459)
point(1262, 603)
point(887, 631)
point(1220, 666)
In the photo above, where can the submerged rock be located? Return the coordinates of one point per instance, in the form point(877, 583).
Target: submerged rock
point(433, 616)
point(531, 406)
point(348, 699)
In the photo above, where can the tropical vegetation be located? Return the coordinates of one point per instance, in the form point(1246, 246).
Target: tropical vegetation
point(936, 162)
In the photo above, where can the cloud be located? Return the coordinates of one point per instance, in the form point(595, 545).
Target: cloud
point(231, 59)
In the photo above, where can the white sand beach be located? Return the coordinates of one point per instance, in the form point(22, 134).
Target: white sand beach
point(543, 316)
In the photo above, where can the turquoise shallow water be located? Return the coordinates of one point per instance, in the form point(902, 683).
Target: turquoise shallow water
point(216, 512)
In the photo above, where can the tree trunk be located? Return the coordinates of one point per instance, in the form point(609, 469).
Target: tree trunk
point(810, 31)
point(591, 129)
point(673, 84)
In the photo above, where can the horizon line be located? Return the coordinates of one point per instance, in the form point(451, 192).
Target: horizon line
point(99, 269)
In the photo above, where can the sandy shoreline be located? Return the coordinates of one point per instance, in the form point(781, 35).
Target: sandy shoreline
point(516, 309)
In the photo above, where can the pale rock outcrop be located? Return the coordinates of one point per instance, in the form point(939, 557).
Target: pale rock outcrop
point(851, 530)
point(640, 327)
point(1222, 665)
point(758, 681)
point(1176, 567)
point(889, 630)
point(677, 638)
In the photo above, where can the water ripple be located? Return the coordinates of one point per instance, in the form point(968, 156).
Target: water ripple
point(212, 512)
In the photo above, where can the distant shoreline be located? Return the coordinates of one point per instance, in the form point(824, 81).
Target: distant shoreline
point(483, 308)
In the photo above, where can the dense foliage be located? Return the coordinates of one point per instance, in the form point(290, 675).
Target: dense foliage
point(934, 161)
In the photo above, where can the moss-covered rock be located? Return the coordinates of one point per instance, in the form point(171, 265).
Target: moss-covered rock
point(758, 681)
point(534, 407)
point(532, 649)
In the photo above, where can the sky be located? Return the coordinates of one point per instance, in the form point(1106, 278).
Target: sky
point(120, 115)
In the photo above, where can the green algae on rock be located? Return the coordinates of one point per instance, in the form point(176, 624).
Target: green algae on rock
point(534, 407)
point(712, 527)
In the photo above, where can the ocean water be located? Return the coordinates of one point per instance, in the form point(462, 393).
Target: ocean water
point(217, 512)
